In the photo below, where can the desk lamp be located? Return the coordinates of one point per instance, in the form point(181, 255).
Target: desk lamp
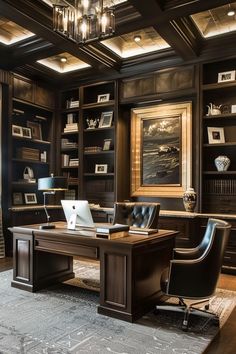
point(50, 185)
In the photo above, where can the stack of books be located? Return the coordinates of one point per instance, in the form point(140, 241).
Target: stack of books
point(111, 232)
point(28, 153)
point(74, 161)
point(71, 127)
point(72, 104)
point(66, 143)
point(92, 149)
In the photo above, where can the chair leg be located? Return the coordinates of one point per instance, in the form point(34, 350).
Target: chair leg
point(186, 318)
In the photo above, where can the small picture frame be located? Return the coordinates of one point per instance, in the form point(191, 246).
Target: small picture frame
point(17, 198)
point(100, 168)
point(216, 135)
point(226, 76)
point(17, 130)
point(104, 97)
point(36, 130)
point(106, 120)
point(106, 144)
point(30, 198)
point(26, 133)
point(233, 108)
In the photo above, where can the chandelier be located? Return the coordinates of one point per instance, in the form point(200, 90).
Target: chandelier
point(86, 21)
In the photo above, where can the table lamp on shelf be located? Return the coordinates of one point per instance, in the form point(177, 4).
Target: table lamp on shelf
point(51, 185)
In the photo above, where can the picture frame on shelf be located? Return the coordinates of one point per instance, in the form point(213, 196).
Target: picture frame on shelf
point(17, 198)
point(36, 130)
point(107, 144)
point(106, 120)
point(226, 76)
point(216, 135)
point(26, 132)
point(105, 97)
point(101, 168)
point(17, 130)
point(233, 108)
point(30, 198)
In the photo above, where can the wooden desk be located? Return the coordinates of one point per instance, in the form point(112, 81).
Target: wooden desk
point(130, 266)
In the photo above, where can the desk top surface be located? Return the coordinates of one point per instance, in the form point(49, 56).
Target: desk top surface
point(62, 233)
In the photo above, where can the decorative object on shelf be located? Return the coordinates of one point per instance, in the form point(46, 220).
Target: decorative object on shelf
point(222, 163)
point(226, 109)
point(107, 144)
point(87, 21)
point(216, 135)
point(213, 109)
point(226, 76)
point(106, 119)
point(233, 108)
point(49, 185)
point(17, 130)
point(36, 130)
point(190, 199)
point(104, 97)
point(30, 198)
point(43, 156)
point(100, 168)
point(28, 174)
point(26, 132)
point(17, 198)
point(92, 123)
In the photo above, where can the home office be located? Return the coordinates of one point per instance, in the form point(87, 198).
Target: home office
point(140, 109)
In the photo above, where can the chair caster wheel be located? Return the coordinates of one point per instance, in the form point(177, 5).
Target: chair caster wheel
point(207, 307)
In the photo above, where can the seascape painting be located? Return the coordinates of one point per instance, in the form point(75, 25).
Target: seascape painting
point(160, 156)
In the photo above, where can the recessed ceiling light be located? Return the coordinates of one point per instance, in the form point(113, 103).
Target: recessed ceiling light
point(63, 60)
point(137, 38)
point(231, 13)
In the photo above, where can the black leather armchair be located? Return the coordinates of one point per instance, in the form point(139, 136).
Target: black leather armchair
point(193, 273)
point(144, 215)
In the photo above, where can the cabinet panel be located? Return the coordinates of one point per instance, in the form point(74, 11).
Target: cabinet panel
point(23, 89)
point(44, 97)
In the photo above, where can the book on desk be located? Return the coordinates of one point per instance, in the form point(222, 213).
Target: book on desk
point(112, 231)
point(142, 230)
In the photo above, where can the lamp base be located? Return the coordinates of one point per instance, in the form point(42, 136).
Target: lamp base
point(47, 226)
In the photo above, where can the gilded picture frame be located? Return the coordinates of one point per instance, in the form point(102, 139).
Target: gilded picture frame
point(161, 150)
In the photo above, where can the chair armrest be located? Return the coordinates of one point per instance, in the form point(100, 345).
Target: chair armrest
point(186, 253)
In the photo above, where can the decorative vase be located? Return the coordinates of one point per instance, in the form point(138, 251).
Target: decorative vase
point(222, 163)
point(190, 199)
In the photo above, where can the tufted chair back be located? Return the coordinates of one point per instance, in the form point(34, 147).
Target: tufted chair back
point(138, 214)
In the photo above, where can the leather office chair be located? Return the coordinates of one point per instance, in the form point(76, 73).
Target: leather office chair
point(194, 272)
point(140, 214)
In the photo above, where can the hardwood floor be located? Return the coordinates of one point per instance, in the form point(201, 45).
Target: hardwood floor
point(224, 343)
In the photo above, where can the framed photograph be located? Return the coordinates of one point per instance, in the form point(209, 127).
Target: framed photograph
point(161, 150)
point(17, 130)
point(36, 130)
point(17, 198)
point(100, 168)
point(106, 120)
point(107, 144)
point(226, 76)
point(26, 132)
point(216, 135)
point(233, 108)
point(104, 97)
point(30, 198)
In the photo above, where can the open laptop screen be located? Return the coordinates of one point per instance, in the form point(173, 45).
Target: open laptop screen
point(77, 213)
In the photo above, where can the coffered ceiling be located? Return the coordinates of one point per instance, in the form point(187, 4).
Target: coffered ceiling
point(149, 35)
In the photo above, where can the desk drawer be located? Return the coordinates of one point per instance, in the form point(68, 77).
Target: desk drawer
point(66, 248)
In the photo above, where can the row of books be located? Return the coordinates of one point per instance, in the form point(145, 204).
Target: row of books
point(66, 160)
point(72, 104)
point(28, 153)
point(92, 148)
point(220, 186)
point(66, 143)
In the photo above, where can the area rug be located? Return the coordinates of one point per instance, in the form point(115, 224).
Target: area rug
point(63, 319)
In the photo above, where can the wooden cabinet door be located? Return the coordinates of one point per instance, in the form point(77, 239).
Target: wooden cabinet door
point(44, 97)
point(23, 89)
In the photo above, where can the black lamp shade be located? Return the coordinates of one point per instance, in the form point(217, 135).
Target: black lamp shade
point(52, 183)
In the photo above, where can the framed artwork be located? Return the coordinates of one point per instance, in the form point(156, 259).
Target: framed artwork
point(36, 130)
point(106, 144)
point(216, 135)
point(104, 97)
point(30, 198)
point(100, 168)
point(26, 132)
point(17, 198)
point(17, 130)
point(161, 150)
point(226, 76)
point(106, 120)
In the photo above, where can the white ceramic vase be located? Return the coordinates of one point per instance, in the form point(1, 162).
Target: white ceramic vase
point(190, 199)
point(222, 163)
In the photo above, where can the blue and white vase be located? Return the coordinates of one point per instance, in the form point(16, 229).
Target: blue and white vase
point(190, 199)
point(222, 163)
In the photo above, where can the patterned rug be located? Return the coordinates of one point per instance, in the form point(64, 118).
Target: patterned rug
point(63, 319)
